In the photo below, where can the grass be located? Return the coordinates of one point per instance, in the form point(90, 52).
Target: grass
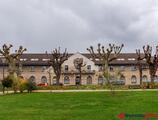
point(77, 106)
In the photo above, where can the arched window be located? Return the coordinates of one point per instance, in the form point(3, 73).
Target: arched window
point(89, 80)
point(122, 80)
point(100, 80)
point(22, 77)
point(32, 79)
point(78, 80)
point(122, 77)
point(66, 68)
point(44, 68)
point(145, 78)
point(66, 80)
point(44, 79)
point(156, 78)
point(133, 79)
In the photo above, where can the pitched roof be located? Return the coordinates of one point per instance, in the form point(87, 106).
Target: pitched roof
point(38, 59)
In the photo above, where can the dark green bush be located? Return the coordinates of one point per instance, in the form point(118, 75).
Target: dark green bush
point(7, 82)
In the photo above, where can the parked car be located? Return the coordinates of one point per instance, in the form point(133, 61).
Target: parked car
point(42, 84)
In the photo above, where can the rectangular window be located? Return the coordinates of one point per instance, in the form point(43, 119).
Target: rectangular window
point(111, 69)
point(89, 67)
point(66, 68)
point(32, 69)
point(133, 68)
point(145, 67)
point(100, 68)
point(44, 68)
point(122, 68)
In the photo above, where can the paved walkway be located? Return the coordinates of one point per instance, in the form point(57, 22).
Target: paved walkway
point(105, 90)
point(61, 91)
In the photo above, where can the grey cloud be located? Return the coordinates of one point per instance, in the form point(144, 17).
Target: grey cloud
point(42, 25)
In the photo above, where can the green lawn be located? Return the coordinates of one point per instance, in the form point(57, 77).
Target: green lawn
point(76, 106)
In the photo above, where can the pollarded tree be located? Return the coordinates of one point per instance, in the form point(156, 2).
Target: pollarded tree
point(105, 56)
point(56, 61)
point(78, 63)
point(12, 59)
point(151, 61)
point(140, 57)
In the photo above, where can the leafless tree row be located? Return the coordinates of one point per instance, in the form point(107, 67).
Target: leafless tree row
point(105, 55)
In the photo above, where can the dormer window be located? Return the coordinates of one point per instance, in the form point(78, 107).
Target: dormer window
point(91, 59)
point(97, 59)
point(45, 60)
point(131, 59)
point(120, 59)
point(34, 59)
point(23, 59)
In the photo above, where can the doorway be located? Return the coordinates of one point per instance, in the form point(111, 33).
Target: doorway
point(78, 81)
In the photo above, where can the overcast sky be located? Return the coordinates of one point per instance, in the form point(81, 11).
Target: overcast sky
point(41, 25)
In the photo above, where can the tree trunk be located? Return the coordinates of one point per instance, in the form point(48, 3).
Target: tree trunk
point(58, 80)
point(3, 89)
point(80, 76)
point(140, 74)
point(106, 71)
point(152, 78)
point(50, 78)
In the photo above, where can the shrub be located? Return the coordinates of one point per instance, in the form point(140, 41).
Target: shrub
point(7, 82)
point(22, 84)
point(31, 86)
point(16, 82)
point(134, 86)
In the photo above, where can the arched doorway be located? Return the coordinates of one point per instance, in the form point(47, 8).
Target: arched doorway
point(32, 79)
point(78, 81)
point(66, 80)
point(89, 80)
point(133, 79)
point(100, 80)
point(44, 79)
point(145, 78)
point(122, 80)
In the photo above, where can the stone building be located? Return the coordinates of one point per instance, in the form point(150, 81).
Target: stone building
point(35, 67)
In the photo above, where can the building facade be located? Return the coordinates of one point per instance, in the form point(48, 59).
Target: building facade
point(123, 70)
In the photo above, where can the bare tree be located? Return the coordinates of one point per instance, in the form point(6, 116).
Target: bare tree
point(151, 61)
point(139, 63)
point(12, 58)
point(105, 56)
point(56, 61)
point(78, 63)
point(50, 73)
